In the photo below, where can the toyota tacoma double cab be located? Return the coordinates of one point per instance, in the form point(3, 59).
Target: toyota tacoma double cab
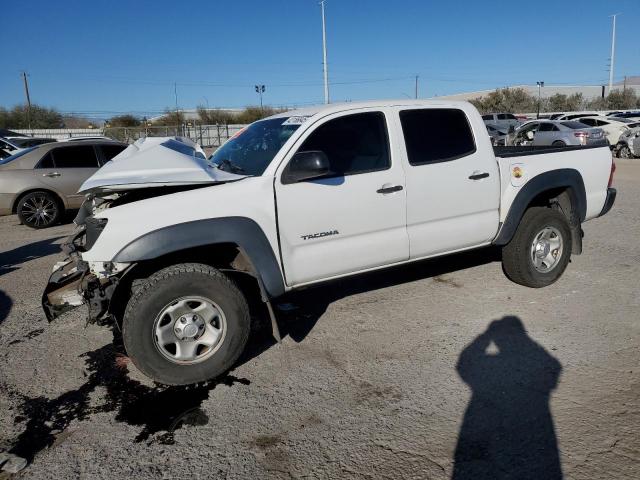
point(305, 197)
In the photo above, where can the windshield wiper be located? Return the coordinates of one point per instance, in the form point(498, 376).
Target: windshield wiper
point(233, 168)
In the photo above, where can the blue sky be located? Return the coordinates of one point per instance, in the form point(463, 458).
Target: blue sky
point(102, 58)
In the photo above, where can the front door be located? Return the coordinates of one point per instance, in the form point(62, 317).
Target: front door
point(354, 218)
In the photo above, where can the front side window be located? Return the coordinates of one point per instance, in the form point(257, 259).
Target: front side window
point(81, 156)
point(353, 144)
point(436, 135)
point(251, 150)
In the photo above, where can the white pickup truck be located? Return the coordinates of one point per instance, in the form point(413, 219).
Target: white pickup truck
point(304, 197)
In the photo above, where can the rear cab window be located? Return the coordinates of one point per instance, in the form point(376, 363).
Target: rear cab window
point(436, 135)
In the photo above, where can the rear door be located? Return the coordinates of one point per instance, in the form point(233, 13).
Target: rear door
point(453, 185)
point(68, 168)
point(353, 219)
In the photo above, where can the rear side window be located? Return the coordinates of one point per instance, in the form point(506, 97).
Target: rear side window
point(436, 135)
point(80, 156)
point(546, 127)
point(353, 144)
point(574, 125)
point(110, 151)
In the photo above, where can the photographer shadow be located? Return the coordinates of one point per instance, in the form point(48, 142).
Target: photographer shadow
point(507, 430)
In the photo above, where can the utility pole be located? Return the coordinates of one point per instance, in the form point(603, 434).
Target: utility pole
point(260, 90)
point(416, 86)
point(540, 85)
point(613, 51)
point(324, 55)
point(175, 93)
point(26, 92)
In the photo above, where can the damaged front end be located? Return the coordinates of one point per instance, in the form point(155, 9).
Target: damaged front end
point(75, 282)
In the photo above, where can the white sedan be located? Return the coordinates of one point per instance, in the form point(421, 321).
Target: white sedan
point(613, 127)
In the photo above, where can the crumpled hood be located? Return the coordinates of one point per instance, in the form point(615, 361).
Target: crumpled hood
point(156, 162)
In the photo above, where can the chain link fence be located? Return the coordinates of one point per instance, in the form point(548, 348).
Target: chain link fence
point(208, 136)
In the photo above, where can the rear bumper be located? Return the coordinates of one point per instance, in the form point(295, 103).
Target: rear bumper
point(609, 201)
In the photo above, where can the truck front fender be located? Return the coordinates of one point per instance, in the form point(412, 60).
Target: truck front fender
point(568, 178)
point(241, 231)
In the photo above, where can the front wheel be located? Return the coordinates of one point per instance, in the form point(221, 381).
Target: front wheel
point(559, 144)
point(540, 249)
point(186, 324)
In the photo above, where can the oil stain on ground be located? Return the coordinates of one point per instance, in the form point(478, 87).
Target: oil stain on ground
point(159, 411)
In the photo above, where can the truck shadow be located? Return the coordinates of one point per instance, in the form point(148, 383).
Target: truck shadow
point(5, 305)
point(12, 259)
point(507, 430)
point(298, 312)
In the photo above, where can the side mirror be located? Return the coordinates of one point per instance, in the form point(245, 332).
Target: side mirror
point(306, 166)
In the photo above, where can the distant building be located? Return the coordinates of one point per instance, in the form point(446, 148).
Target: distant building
point(589, 92)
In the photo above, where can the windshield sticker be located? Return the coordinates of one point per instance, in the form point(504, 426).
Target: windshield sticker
point(295, 120)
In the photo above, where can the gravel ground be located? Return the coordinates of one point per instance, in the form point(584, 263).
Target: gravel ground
point(435, 370)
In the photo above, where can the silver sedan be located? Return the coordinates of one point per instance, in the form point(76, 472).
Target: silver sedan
point(558, 134)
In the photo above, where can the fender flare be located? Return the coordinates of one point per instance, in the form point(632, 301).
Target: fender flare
point(241, 231)
point(560, 178)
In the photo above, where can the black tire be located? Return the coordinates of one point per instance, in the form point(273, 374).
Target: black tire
point(624, 152)
point(558, 143)
point(39, 210)
point(517, 260)
point(165, 287)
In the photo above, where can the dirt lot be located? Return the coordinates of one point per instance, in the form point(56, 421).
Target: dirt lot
point(399, 374)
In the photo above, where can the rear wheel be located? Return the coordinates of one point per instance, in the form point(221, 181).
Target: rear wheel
point(624, 152)
point(39, 210)
point(187, 323)
point(540, 250)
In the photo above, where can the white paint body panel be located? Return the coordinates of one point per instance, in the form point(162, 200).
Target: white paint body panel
point(439, 211)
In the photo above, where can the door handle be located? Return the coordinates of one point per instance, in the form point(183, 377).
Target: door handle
point(51, 174)
point(478, 175)
point(390, 189)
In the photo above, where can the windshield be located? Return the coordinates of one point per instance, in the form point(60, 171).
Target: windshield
point(251, 150)
point(4, 161)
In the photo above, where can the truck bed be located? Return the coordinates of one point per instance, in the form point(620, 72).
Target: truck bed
point(509, 151)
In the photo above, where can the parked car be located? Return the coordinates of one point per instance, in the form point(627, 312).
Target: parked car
point(502, 120)
point(26, 142)
point(628, 145)
point(95, 137)
point(303, 197)
point(575, 115)
point(558, 134)
point(498, 137)
point(613, 126)
point(626, 115)
point(8, 146)
point(39, 183)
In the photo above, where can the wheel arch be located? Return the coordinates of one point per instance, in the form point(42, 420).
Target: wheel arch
point(21, 195)
point(214, 240)
point(561, 189)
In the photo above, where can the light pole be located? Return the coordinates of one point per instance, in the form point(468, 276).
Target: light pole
point(260, 90)
point(324, 55)
point(613, 51)
point(540, 85)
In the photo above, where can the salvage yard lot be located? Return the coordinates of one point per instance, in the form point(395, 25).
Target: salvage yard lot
point(368, 380)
